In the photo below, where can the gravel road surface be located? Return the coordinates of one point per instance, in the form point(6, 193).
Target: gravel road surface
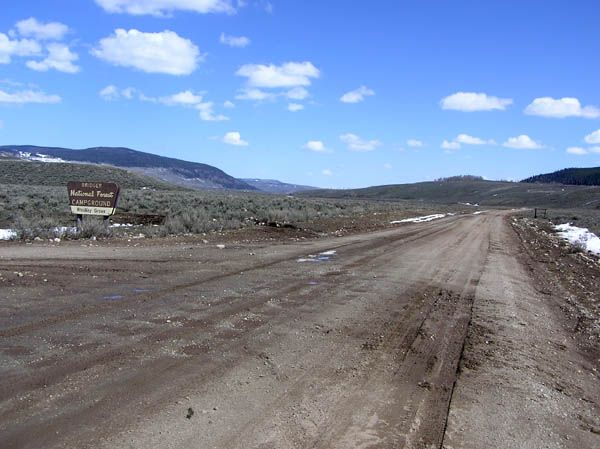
point(428, 335)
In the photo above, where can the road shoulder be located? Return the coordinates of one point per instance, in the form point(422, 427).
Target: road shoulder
point(523, 380)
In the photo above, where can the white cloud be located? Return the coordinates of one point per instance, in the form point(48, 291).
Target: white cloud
point(228, 104)
point(357, 95)
point(42, 31)
point(356, 143)
point(561, 108)
point(315, 145)
point(17, 47)
point(165, 7)
point(472, 101)
point(109, 93)
point(60, 58)
point(28, 96)
point(185, 98)
point(295, 107)
point(577, 150)
point(234, 138)
point(583, 151)
point(163, 52)
point(471, 140)
point(254, 94)
point(234, 41)
point(387, 166)
point(327, 172)
point(414, 143)
point(207, 113)
point(465, 139)
point(189, 99)
point(289, 74)
point(593, 137)
point(446, 145)
point(522, 142)
point(297, 93)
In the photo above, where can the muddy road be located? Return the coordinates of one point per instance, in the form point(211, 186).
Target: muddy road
point(425, 336)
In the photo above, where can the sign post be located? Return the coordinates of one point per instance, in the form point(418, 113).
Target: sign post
point(92, 198)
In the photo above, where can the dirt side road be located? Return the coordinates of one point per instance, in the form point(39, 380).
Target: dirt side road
point(429, 335)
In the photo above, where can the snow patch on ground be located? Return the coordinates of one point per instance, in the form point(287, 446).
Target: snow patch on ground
point(581, 237)
point(478, 212)
point(7, 234)
point(419, 219)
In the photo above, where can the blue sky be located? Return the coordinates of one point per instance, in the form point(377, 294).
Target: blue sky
point(332, 93)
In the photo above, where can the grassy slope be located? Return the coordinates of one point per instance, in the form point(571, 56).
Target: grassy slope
point(488, 193)
point(58, 174)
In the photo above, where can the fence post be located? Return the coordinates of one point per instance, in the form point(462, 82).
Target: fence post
point(535, 212)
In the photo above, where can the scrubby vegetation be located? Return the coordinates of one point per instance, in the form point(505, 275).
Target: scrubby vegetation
point(33, 210)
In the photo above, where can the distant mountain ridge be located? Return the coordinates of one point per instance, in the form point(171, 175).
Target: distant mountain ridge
point(274, 186)
point(176, 171)
point(569, 176)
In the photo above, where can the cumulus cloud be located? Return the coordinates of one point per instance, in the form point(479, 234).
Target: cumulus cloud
point(561, 108)
point(297, 93)
point(60, 58)
point(473, 101)
point(583, 151)
point(185, 98)
point(254, 94)
point(356, 143)
point(414, 143)
point(163, 52)
point(228, 104)
point(234, 138)
point(295, 107)
point(234, 41)
point(471, 140)
point(207, 113)
point(289, 74)
point(110, 93)
point(593, 138)
point(450, 145)
point(577, 150)
point(28, 96)
point(357, 95)
point(166, 7)
point(465, 139)
point(522, 142)
point(17, 47)
point(315, 145)
point(41, 31)
point(327, 172)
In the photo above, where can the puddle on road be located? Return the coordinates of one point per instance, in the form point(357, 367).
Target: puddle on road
point(112, 297)
point(321, 257)
point(141, 290)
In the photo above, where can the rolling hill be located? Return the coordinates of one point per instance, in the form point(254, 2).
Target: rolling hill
point(37, 173)
point(570, 176)
point(171, 170)
point(485, 193)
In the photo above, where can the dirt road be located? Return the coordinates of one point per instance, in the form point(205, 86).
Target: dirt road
point(425, 336)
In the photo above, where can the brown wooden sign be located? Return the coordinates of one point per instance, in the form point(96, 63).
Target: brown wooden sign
point(93, 198)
